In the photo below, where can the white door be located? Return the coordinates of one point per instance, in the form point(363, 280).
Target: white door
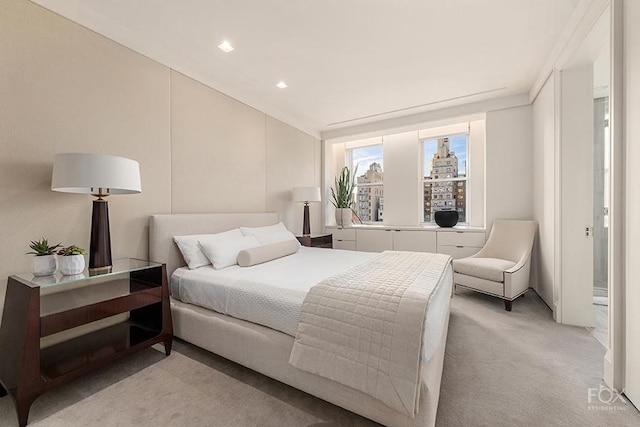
point(632, 229)
point(576, 178)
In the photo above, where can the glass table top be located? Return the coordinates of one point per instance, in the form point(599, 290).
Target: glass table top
point(120, 266)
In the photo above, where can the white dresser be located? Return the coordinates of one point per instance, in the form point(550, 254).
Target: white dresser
point(459, 242)
point(343, 238)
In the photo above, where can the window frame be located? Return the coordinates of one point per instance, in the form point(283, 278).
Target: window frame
point(349, 161)
point(466, 179)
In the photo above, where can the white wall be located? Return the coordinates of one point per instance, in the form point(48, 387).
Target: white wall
point(65, 88)
point(292, 160)
point(632, 223)
point(508, 164)
point(544, 191)
point(401, 177)
point(477, 172)
point(229, 157)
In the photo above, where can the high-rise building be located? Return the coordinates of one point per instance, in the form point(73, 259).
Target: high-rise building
point(369, 197)
point(444, 195)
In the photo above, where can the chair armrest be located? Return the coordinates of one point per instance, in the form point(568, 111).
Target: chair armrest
point(516, 279)
point(521, 264)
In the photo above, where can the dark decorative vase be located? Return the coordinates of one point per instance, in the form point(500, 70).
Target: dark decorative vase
point(446, 218)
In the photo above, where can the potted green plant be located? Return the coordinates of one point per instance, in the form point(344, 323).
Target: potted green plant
point(44, 262)
point(342, 196)
point(72, 260)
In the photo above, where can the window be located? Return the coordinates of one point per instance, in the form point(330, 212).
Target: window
point(445, 176)
point(367, 164)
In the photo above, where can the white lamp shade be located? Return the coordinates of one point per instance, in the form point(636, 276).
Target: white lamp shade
point(306, 194)
point(86, 173)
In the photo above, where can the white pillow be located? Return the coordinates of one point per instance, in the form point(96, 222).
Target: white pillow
point(190, 249)
point(276, 237)
point(253, 256)
point(224, 253)
point(269, 234)
point(255, 231)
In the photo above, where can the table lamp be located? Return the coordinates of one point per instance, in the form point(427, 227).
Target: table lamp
point(306, 195)
point(99, 175)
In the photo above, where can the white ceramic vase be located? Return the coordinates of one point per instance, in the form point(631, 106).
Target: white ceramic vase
point(44, 265)
point(343, 217)
point(71, 264)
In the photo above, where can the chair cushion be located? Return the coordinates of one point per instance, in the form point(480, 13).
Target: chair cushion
point(484, 268)
point(478, 284)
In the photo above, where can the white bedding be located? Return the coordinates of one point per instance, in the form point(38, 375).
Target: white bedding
point(364, 328)
point(271, 294)
point(268, 294)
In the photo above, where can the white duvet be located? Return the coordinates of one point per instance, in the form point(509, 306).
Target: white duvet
point(269, 294)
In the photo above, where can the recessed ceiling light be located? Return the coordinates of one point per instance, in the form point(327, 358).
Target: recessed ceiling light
point(225, 46)
point(281, 85)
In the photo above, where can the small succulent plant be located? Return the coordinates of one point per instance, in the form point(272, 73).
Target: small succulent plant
point(71, 250)
point(41, 248)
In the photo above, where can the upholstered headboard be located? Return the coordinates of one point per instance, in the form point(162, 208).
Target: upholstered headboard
point(162, 228)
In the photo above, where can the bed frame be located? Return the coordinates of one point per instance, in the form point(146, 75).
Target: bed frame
point(266, 350)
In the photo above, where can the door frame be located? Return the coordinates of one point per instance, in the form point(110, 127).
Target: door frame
point(614, 359)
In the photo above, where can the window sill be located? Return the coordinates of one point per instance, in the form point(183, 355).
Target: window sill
point(424, 227)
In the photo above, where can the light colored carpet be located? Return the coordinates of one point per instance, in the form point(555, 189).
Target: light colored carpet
point(601, 330)
point(501, 369)
point(521, 368)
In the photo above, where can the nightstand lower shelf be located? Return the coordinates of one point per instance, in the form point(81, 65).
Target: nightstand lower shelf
point(98, 347)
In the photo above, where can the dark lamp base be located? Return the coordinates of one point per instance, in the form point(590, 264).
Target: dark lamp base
point(100, 248)
point(100, 270)
point(306, 225)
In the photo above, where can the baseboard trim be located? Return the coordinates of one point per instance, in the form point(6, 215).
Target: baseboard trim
point(608, 370)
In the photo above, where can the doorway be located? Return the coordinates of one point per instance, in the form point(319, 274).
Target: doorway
point(601, 165)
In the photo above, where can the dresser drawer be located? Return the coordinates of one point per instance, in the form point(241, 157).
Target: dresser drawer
point(414, 241)
point(344, 234)
point(349, 245)
point(457, 252)
point(374, 240)
point(461, 238)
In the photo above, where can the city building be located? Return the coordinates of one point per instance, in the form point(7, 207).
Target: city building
point(370, 192)
point(444, 195)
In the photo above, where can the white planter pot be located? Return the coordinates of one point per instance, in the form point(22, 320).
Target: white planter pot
point(44, 265)
point(344, 217)
point(71, 264)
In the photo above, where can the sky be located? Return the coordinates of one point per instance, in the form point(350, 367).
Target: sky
point(457, 144)
point(364, 156)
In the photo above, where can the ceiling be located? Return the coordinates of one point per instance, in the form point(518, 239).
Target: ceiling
point(346, 62)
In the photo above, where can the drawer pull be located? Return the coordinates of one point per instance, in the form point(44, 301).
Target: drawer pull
point(457, 246)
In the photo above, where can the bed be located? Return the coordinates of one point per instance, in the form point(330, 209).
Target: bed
point(266, 345)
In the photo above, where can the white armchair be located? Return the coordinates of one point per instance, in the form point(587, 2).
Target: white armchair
point(502, 266)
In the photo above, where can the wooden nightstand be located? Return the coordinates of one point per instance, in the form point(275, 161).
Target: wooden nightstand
point(136, 290)
point(316, 241)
